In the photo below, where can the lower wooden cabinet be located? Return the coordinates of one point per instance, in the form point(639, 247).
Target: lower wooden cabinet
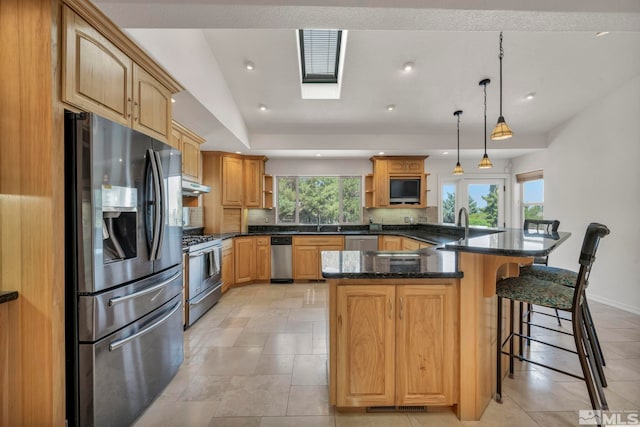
point(244, 253)
point(228, 271)
point(306, 254)
point(263, 258)
point(390, 243)
point(395, 345)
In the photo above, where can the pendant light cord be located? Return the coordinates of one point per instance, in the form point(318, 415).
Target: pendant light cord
point(485, 118)
point(501, 55)
point(458, 137)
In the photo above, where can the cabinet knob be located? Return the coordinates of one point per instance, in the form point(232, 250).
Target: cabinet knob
point(128, 107)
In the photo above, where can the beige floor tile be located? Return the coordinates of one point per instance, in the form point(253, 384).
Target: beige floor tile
point(255, 395)
point(221, 337)
point(313, 421)
point(299, 327)
point(267, 323)
point(372, 420)
point(178, 414)
point(204, 388)
point(286, 343)
point(506, 414)
point(307, 314)
point(287, 302)
point(320, 329)
point(437, 417)
point(555, 419)
point(309, 400)
point(309, 370)
point(622, 370)
point(252, 339)
point(177, 385)
point(319, 346)
point(628, 389)
point(234, 322)
point(229, 360)
point(533, 391)
point(235, 422)
point(275, 364)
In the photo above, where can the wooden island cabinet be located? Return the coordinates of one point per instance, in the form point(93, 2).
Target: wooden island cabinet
point(393, 344)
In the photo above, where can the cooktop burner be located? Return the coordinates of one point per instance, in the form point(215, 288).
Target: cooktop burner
point(188, 241)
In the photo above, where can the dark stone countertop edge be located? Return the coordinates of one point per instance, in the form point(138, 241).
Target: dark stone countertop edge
point(403, 275)
point(6, 296)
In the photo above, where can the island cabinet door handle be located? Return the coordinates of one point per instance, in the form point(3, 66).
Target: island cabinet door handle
point(390, 309)
point(401, 307)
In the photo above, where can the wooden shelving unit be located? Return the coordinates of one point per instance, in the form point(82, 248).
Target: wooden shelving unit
point(267, 192)
point(369, 191)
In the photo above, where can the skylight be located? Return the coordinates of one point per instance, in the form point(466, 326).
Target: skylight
point(320, 55)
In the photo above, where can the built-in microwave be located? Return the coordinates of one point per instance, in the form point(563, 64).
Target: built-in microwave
point(404, 191)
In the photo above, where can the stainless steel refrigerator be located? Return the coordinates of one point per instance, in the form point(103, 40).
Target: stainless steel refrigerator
point(123, 252)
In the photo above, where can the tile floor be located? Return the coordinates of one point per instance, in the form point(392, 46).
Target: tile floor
point(258, 359)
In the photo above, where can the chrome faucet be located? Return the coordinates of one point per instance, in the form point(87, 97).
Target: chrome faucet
point(318, 226)
point(466, 221)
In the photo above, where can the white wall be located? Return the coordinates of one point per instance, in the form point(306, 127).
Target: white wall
point(592, 174)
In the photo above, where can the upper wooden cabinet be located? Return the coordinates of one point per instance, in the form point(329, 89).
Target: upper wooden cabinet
point(387, 167)
point(99, 77)
point(232, 181)
point(188, 143)
point(253, 171)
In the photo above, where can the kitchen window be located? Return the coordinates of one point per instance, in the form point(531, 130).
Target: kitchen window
point(327, 199)
point(532, 190)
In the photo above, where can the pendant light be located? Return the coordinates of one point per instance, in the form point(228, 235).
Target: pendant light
point(458, 169)
point(485, 163)
point(502, 130)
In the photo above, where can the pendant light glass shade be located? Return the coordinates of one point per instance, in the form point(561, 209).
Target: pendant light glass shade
point(485, 163)
point(458, 169)
point(502, 130)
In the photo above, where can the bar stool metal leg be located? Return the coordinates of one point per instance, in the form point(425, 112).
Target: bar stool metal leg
point(499, 352)
point(511, 352)
point(578, 328)
point(520, 339)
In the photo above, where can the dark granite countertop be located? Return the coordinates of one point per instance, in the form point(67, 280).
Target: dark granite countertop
point(427, 263)
point(510, 242)
point(6, 296)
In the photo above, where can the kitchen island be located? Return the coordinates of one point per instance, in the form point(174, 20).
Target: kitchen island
point(418, 328)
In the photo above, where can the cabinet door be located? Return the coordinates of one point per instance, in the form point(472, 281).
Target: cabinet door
point(263, 259)
point(365, 345)
point(228, 272)
point(410, 244)
point(252, 182)
point(306, 264)
point(425, 345)
point(176, 142)
point(191, 158)
point(96, 75)
point(231, 181)
point(390, 243)
point(244, 250)
point(381, 183)
point(398, 166)
point(151, 105)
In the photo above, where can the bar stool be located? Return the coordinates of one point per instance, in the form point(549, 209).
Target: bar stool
point(540, 269)
point(551, 294)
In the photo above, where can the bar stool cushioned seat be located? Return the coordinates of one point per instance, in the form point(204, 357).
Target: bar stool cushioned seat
point(553, 274)
point(536, 291)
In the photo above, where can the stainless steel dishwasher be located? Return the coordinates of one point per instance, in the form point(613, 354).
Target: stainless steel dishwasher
point(281, 260)
point(361, 243)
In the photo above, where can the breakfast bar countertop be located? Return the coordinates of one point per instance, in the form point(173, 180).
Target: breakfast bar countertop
point(427, 263)
point(510, 242)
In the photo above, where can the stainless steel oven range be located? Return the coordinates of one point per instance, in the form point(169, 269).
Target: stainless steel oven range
point(204, 273)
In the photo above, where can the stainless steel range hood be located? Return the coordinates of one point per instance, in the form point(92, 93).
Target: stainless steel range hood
point(193, 189)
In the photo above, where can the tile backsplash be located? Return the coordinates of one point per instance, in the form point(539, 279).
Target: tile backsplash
point(379, 215)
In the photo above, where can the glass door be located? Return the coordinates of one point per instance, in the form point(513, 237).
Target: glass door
point(484, 198)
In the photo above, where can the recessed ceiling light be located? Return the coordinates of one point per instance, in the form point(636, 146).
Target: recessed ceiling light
point(602, 33)
point(408, 66)
point(238, 152)
point(445, 152)
point(173, 101)
point(381, 153)
point(530, 96)
point(391, 107)
point(249, 65)
point(262, 107)
point(318, 154)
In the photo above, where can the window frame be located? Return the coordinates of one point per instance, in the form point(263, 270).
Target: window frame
point(297, 208)
point(522, 179)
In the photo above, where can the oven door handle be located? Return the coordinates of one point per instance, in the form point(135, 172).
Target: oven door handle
point(119, 343)
point(201, 253)
point(199, 300)
point(116, 300)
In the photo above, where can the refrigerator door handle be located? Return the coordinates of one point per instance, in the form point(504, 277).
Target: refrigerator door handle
point(156, 217)
point(162, 209)
point(119, 343)
point(116, 300)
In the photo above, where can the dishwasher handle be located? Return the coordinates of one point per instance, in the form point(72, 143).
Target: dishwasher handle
point(281, 240)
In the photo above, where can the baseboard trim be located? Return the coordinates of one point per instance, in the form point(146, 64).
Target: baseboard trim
point(616, 304)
